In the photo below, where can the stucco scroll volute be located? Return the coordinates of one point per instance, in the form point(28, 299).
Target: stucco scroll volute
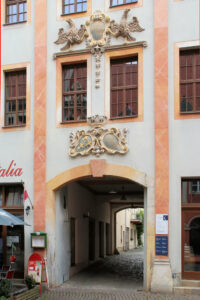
point(98, 31)
point(98, 140)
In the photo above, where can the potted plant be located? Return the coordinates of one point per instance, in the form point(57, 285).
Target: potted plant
point(30, 281)
point(13, 257)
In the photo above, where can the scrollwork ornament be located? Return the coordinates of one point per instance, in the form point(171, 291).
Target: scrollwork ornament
point(98, 140)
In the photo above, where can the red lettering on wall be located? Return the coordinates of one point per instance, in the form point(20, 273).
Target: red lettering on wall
point(2, 172)
point(18, 172)
point(11, 170)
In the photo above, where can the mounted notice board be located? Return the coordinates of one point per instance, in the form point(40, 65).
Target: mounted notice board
point(161, 245)
point(38, 239)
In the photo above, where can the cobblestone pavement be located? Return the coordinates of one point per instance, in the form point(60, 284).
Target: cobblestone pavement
point(117, 277)
point(124, 270)
point(115, 294)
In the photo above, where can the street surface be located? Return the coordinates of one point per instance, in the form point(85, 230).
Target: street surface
point(117, 277)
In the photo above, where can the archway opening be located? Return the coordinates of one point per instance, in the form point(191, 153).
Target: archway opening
point(86, 211)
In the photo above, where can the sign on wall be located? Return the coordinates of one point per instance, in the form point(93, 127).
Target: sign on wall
point(161, 224)
point(161, 245)
point(11, 170)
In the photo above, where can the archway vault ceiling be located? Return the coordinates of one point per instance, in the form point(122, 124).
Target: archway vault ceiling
point(110, 185)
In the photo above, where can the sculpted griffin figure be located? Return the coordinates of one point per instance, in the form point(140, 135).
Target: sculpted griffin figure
point(124, 28)
point(72, 36)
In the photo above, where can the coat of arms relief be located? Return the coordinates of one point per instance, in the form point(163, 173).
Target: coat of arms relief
point(97, 32)
point(98, 140)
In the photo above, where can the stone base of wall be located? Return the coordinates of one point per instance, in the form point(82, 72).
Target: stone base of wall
point(161, 276)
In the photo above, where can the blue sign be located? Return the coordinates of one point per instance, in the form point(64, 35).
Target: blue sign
point(161, 245)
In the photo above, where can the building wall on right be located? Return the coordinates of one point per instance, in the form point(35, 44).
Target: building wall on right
point(184, 143)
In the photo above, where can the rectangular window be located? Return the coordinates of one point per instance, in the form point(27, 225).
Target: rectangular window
point(191, 191)
point(75, 92)
point(121, 2)
point(15, 98)
point(124, 88)
point(16, 11)
point(74, 6)
point(11, 195)
point(190, 81)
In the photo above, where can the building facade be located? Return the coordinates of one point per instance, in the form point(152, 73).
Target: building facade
point(126, 229)
point(108, 99)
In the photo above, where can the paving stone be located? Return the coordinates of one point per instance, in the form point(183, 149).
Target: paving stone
point(87, 294)
point(117, 277)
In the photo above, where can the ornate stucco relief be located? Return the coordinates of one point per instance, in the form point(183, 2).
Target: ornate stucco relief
point(98, 31)
point(98, 140)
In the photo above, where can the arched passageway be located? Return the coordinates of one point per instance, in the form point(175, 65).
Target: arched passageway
point(83, 210)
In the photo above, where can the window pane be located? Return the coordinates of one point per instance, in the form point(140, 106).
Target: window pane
point(21, 7)
point(14, 19)
point(189, 75)
point(21, 112)
point(114, 2)
point(74, 102)
point(79, 7)
point(84, 6)
point(124, 81)
point(10, 119)
point(71, 9)
point(15, 88)
point(66, 10)
point(21, 17)
point(14, 195)
point(16, 232)
point(191, 191)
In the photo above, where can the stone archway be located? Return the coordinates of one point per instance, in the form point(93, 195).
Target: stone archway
point(98, 168)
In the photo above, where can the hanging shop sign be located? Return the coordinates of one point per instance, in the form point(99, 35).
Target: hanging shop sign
point(11, 171)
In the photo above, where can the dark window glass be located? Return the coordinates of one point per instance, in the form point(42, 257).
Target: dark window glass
point(124, 88)
point(121, 2)
point(75, 92)
point(16, 11)
point(74, 6)
point(15, 98)
point(190, 81)
point(15, 236)
point(191, 191)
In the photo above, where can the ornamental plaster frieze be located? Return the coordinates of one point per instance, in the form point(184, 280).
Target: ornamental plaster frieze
point(97, 32)
point(98, 140)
